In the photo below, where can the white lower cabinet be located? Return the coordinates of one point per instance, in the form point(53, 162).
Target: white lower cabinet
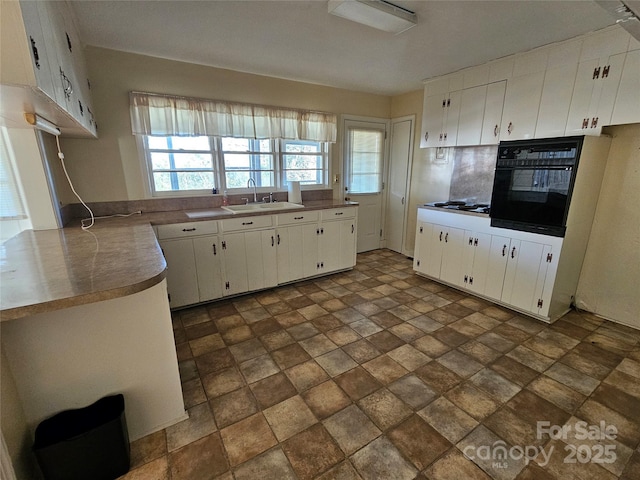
point(208, 258)
point(249, 254)
point(481, 259)
point(440, 249)
point(337, 248)
point(214, 259)
point(182, 279)
point(477, 248)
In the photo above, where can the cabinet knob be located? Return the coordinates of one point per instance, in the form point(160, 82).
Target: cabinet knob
point(426, 136)
point(513, 252)
point(189, 229)
point(444, 103)
point(504, 250)
point(446, 237)
point(278, 239)
point(510, 128)
point(273, 242)
point(495, 130)
point(214, 249)
point(353, 228)
point(440, 236)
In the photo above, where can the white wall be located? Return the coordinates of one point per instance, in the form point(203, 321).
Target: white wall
point(108, 169)
point(15, 431)
point(70, 358)
point(610, 278)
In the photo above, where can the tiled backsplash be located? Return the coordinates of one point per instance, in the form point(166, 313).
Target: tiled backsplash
point(76, 210)
point(473, 172)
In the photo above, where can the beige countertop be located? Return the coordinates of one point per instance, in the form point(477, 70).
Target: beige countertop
point(48, 270)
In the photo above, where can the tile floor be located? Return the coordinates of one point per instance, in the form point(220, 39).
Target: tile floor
point(379, 374)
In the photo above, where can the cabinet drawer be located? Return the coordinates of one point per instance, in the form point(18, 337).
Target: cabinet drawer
point(338, 213)
point(247, 223)
point(298, 217)
point(188, 229)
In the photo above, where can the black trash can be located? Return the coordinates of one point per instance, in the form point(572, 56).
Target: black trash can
point(86, 443)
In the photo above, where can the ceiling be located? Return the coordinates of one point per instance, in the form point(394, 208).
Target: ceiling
point(300, 40)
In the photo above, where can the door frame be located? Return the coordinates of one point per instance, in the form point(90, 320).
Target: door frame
point(344, 118)
point(412, 119)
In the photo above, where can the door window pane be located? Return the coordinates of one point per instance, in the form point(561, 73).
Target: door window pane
point(365, 160)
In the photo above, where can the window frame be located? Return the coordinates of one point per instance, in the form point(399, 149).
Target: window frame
point(278, 147)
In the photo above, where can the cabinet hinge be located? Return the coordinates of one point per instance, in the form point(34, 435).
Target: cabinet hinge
point(421, 229)
point(549, 257)
point(169, 297)
point(224, 245)
point(540, 302)
point(418, 263)
point(380, 233)
point(226, 285)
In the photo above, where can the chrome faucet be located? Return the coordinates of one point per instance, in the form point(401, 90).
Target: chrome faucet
point(255, 195)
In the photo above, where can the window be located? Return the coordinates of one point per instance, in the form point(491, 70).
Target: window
point(196, 165)
point(246, 158)
point(180, 163)
point(366, 155)
point(304, 161)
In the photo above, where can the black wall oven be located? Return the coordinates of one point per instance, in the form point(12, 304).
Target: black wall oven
point(533, 184)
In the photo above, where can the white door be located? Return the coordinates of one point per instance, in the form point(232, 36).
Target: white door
point(364, 155)
point(208, 267)
point(401, 153)
point(182, 282)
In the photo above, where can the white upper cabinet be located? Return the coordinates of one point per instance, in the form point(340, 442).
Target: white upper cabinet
point(596, 86)
point(521, 106)
point(472, 104)
point(557, 89)
point(570, 88)
point(41, 48)
point(440, 120)
point(492, 117)
point(627, 106)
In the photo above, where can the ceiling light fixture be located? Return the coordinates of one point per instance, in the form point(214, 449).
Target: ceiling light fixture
point(375, 13)
point(41, 123)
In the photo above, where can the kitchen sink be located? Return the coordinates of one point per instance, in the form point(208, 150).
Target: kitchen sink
point(249, 208)
point(261, 207)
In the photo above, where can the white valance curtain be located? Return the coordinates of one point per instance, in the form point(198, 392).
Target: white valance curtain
point(154, 114)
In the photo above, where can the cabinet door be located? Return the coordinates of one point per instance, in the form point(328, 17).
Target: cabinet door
point(208, 255)
point(329, 243)
point(424, 231)
point(521, 106)
point(493, 113)
point(262, 267)
point(182, 281)
point(555, 101)
point(627, 106)
point(290, 253)
point(451, 270)
point(481, 247)
point(594, 95)
point(472, 104)
point(498, 255)
point(432, 120)
point(521, 278)
point(451, 119)
point(39, 49)
point(433, 251)
point(348, 236)
point(235, 264)
point(310, 249)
